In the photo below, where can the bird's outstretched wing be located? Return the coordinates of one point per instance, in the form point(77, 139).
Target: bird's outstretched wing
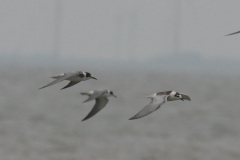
point(95, 95)
point(99, 104)
point(60, 79)
point(156, 103)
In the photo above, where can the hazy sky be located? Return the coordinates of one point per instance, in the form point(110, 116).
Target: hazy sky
point(120, 29)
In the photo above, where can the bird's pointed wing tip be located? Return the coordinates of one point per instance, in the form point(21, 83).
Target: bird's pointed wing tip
point(85, 101)
point(84, 119)
point(233, 33)
point(133, 118)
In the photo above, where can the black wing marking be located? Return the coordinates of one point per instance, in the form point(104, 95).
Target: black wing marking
point(71, 83)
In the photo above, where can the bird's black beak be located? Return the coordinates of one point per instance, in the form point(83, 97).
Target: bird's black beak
point(114, 96)
point(94, 78)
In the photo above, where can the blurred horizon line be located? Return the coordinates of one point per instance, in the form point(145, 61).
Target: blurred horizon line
point(187, 63)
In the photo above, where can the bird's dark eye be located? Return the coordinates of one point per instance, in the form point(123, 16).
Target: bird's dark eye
point(111, 92)
point(88, 74)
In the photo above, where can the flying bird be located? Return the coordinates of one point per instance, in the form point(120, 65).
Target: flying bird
point(73, 77)
point(157, 100)
point(233, 33)
point(101, 99)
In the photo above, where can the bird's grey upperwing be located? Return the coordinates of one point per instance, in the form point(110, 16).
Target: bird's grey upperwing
point(96, 94)
point(99, 104)
point(233, 33)
point(184, 96)
point(151, 107)
point(60, 79)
